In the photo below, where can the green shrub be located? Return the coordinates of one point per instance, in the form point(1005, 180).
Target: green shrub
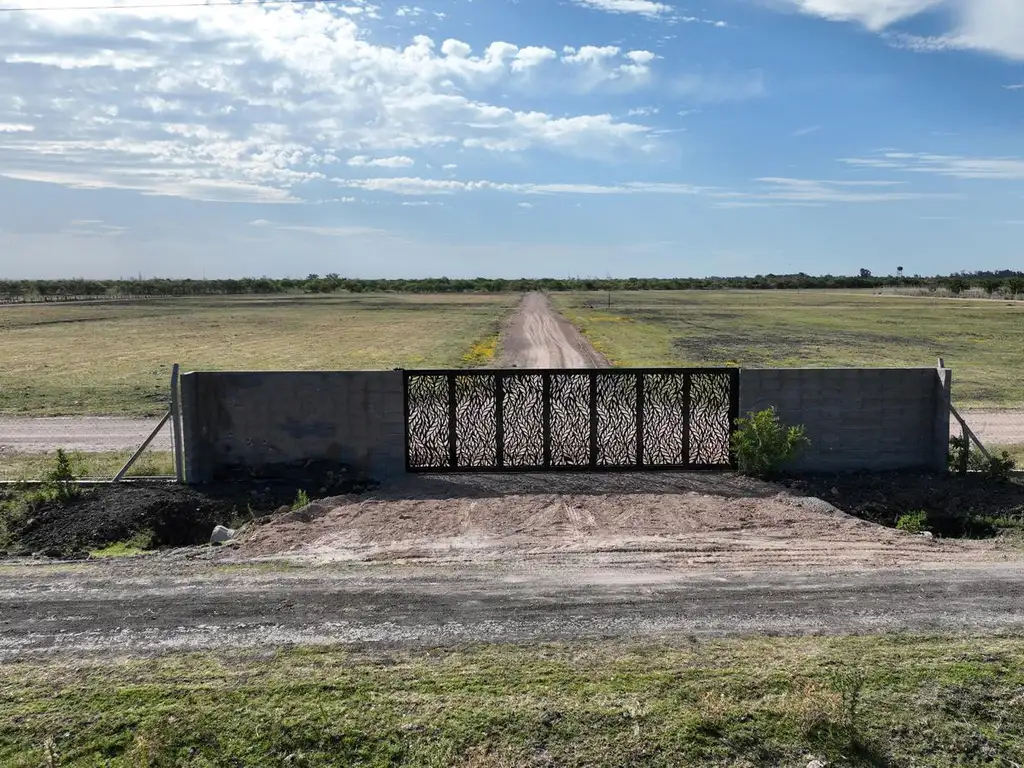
point(301, 500)
point(762, 444)
point(1000, 467)
point(996, 468)
point(913, 522)
point(60, 480)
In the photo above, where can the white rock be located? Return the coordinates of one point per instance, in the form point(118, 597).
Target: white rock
point(816, 764)
point(221, 534)
point(927, 534)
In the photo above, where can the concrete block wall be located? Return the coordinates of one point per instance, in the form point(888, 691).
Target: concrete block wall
point(273, 423)
point(858, 418)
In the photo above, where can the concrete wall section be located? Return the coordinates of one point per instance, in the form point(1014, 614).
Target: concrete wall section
point(273, 423)
point(858, 418)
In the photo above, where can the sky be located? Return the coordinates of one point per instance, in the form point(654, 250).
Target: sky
point(510, 138)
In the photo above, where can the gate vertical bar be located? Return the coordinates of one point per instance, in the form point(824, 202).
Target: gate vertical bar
point(687, 381)
point(453, 451)
point(593, 419)
point(499, 419)
point(640, 420)
point(545, 397)
point(734, 410)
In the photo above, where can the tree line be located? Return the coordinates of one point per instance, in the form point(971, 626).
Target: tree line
point(1004, 281)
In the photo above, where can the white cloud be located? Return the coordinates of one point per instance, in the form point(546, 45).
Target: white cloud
point(92, 228)
point(316, 229)
point(1014, 87)
point(532, 56)
point(953, 166)
point(643, 111)
point(397, 161)
point(647, 8)
point(806, 131)
point(421, 186)
point(449, 166)
point(603, 65)
point(804, 192)
point(993, 26)
point(525, 205)
point(253, 103)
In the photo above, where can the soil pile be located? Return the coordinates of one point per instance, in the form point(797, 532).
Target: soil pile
point(675, 520)
point(970, 506)
point(170, 515)
point(174, 515)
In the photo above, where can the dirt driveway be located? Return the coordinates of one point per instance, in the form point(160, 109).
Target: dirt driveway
point(539, 337)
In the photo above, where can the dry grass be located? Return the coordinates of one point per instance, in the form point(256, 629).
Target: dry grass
point(115, 358)
point(980, 339)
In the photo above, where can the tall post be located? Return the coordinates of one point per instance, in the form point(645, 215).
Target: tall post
point(179, 464)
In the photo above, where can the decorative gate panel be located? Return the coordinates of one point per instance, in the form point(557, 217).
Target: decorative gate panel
point(533, 420)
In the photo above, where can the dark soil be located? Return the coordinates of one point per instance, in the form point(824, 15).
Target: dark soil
point(970, 506)
point(169, 515)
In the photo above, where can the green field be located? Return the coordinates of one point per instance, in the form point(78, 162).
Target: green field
point(873, 700)
point(980, 340)
point(115, 358)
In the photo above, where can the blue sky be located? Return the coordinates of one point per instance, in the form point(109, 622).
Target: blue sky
point(510, 138)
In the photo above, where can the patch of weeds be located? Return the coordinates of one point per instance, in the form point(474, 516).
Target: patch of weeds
point(301, 500)
point(482, 353)
point(140, 543)
point(913, 522)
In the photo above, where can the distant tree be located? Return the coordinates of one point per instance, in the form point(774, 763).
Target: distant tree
point(992, 286)
point(1015, 286)
point(957, 286)
point(865, 273)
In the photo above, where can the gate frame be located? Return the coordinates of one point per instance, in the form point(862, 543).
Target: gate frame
point(452, 373)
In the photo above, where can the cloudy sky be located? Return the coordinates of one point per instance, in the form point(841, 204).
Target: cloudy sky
point(510, 137)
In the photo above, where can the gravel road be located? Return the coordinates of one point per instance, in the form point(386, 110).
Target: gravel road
point(539, 337)
point(175, 602)
point(79, 433)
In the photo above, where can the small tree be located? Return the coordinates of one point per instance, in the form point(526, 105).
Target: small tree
point(865, 273)
point(762, 444)
point(1015, 286)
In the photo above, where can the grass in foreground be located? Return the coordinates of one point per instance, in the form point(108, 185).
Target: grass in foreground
point(87, 466)
point(115, 358)
point(978, 339)
point(888, 700)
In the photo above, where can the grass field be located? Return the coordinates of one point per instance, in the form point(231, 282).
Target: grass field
point(875, 700)
point(980, 340)
point(115, 358)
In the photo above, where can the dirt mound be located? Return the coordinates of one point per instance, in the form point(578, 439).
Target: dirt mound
point(675, 522)
point(174, 515)
point(969, 506)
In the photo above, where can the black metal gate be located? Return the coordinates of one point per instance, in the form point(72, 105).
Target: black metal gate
point(537, 420)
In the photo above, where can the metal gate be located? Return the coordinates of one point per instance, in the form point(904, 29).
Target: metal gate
point(539, 420)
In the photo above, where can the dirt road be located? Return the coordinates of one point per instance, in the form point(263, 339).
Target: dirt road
point(174, 602)
point(539, 337)
point(79, 433)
